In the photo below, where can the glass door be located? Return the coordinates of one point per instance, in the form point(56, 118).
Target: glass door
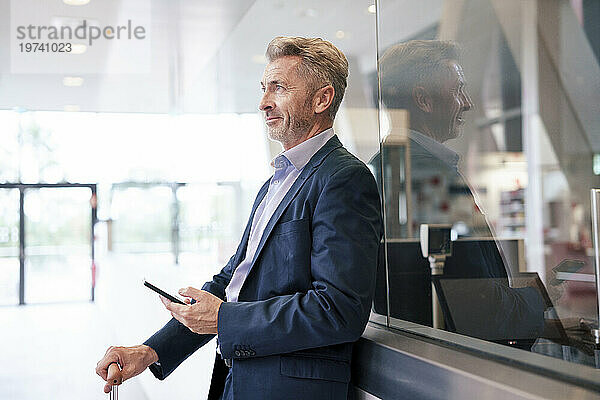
point(57, 244)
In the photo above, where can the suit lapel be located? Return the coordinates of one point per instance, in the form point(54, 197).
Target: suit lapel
point(307, 171)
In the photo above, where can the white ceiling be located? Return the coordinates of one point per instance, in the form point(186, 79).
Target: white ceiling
point(193, 30)
point(205, 55)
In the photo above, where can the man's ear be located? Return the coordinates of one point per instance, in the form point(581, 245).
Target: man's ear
point(422, 99)
point(323, 99)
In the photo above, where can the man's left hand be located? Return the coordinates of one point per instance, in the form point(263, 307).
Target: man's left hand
point(200, 317)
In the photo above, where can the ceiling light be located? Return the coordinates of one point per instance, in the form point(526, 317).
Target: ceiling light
point(78, 48)
point(72, 108)
point(72, 81)
point(340, 34)
point(311, 12)
point(372, 9)
point(76, 2)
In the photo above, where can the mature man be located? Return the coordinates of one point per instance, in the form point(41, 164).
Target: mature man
point(297, 293)
point(424, 77)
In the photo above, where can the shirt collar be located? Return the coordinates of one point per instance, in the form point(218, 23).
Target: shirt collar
point(438, 150)
point(301, 154)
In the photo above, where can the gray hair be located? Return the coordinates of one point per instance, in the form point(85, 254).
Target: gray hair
point(417, 62)
point(322, 64)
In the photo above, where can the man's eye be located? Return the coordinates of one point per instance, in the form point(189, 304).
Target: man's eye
point(279, 87)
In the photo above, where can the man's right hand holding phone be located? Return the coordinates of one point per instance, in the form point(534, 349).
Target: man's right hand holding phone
point(132, 360)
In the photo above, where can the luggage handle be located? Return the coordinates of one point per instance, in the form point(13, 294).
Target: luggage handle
point(115, 378)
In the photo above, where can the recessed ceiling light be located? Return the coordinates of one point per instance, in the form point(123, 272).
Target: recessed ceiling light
point(340, 34)
point(372, 9)
point(259, 59)
point(76, 2)
point(311, 12)
point(72, 81)
point(72, 108)
point(78, 48)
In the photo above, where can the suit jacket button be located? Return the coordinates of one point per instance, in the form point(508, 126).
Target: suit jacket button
point(237, 353)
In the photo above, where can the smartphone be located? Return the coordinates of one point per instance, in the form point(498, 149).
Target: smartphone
point(163, 293)
point(571, 266)
point(566, 266)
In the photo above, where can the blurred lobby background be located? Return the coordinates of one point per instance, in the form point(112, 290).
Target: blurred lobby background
point(122, 163)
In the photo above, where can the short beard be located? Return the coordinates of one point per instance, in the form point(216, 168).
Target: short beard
point(294, 134)
point(298, 128)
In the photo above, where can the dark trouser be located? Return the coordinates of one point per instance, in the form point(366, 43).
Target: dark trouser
point(217, 382)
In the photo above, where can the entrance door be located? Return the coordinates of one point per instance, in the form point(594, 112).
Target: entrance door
point(57, 244)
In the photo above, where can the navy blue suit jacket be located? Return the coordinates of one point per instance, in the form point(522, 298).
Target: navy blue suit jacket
point(308, 295)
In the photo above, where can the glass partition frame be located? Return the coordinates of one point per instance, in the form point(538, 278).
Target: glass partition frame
point(514, 160)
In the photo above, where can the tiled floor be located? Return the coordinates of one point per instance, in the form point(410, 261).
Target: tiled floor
point(50, 351)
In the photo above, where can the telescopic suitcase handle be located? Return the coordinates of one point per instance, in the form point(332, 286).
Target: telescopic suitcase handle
point(115, 378)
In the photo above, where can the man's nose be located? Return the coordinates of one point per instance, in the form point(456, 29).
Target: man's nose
point(467, 102)
point(266, 104)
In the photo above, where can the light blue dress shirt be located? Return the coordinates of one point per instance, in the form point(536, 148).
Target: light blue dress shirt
point(288, 166)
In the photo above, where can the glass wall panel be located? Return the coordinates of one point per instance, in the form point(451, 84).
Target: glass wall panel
point(489, 133)
point(210, 218)
point(142, 219)
point(9, 246)
point(349, 26)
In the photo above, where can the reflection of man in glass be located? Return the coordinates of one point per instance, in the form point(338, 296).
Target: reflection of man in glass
point(425, 79)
